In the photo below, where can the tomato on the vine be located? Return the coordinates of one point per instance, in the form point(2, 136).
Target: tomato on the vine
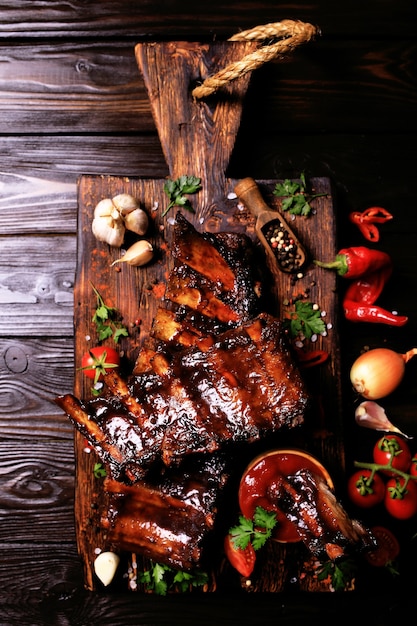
point(392, 449)
point(97, 360)
point(387, 547)
point(366, 490)
point(243, 560)
point(413, 466)
point(401, 500)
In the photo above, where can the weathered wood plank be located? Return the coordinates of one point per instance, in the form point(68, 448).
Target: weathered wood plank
point(182, 19)
point(36, 282)
point(97, 87)
point(36, 492)
point(34, 371)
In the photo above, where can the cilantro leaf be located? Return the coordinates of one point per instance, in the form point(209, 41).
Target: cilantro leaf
point(106, 320)
point(160, 578)
point(340, 573)
point(296, 199)
point(178, 189)
point(256, 531)
point(305, 320)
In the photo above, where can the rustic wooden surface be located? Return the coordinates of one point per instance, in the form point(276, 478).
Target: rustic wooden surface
point(72, 102)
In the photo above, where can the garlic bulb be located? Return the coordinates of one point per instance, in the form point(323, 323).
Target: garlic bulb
point(113, 216)
point(125, 203)
point(137, 221)
point(138, 254)
point(106, 208)
point(109, 230)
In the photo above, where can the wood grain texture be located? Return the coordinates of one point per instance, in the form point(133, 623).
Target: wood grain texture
point(96, 88)
point(32, 371)
point(36, 282)
point(343, 109)
point(37, 487)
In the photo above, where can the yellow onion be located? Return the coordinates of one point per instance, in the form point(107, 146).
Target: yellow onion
point(378, 372)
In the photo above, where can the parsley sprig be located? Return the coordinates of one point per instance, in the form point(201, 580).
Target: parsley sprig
point(340, 573)
point(255, 531)
point(297, 200)
point(177, 191)
point(99, 470)
point(304, 320)
point(160, 578)
point(107, 320)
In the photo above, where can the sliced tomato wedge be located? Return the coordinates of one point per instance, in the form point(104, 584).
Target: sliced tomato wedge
point(242, 560)
point(387, 549)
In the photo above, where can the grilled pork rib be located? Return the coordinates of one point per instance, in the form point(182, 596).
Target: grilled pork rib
point(216, 371)
point(167, 519)
point(320, 519)
point(195, 401)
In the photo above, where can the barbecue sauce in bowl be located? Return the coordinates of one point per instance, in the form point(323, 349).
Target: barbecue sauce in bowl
point(264, 471)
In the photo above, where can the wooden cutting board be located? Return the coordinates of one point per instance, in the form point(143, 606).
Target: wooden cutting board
point(197, 138)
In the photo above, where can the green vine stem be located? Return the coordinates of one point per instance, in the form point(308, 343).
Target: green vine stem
point(376, 467)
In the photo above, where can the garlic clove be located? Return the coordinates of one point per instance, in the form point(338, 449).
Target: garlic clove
point(369, 414)
point(108, 230)
point(105, 567)
point(125, 203)
point(138, 254)
point(137, 221)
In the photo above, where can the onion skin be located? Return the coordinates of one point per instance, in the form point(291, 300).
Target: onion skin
point(378, 372)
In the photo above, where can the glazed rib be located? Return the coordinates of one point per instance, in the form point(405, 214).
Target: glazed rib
point(198, 400)
point(320, 519)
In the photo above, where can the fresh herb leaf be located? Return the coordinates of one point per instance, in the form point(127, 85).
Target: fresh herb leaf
point(177, 191)
point(106, 320)
point(256, 531)
point(305, 320)
point(296, 198)
point(160, 578)
point(340, 573)
point(184, 580)
point(99, 471)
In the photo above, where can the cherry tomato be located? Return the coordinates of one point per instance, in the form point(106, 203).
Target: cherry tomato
point(387, 547)
point(413, 466)
point(96, 360)
point(242, 560)
point(365, 492)
point(401, 502)
point(395, 447)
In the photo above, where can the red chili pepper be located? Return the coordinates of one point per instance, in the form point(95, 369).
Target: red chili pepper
point(311, 358)
point(357, 261)
point(361, 295)
point(366, 221)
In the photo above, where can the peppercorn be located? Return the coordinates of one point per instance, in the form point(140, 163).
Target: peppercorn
point(283, 245)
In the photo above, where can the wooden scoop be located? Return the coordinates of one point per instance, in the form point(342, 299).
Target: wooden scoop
point(272, 229)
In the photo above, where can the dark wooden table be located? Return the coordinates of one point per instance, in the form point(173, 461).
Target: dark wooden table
point(72, 102)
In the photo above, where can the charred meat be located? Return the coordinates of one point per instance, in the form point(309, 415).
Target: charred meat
point(320, 519)
point(194, 401)
point(168, 518)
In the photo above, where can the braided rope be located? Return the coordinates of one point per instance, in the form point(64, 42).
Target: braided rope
point(295, 33)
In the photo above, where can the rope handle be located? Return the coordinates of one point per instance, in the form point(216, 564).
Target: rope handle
point(293, 32)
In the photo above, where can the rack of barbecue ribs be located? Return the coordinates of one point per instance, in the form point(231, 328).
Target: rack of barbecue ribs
point(216, 372)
